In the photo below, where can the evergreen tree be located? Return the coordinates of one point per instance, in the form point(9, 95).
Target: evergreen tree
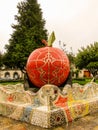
point(27, 34)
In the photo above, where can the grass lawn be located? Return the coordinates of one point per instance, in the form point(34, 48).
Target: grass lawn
point(10, 82)
point(81, 81)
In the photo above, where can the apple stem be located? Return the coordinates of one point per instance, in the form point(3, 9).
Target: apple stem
point(45, 42)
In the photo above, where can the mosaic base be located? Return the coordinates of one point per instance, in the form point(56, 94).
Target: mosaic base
point(49, 106)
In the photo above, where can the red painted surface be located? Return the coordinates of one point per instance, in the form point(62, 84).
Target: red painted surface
point(48, 65)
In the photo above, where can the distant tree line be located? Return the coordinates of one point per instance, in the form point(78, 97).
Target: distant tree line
point(88, 58)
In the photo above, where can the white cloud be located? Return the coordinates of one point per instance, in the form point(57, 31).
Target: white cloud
point(74, 21)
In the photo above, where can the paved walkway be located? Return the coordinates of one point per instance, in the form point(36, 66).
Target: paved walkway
point(89, 122)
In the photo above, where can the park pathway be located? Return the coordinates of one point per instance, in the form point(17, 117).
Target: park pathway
point(89, 122)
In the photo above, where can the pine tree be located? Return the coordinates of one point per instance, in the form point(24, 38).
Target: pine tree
point(27, 34)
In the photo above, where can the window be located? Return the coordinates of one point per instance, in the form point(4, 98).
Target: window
point(7, 75)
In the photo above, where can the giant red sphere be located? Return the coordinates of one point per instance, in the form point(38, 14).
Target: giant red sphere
point(47, 65)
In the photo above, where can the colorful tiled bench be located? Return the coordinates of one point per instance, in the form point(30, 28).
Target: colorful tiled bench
point(49, 106)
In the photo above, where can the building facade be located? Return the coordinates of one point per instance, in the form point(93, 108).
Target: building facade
point(11, 74)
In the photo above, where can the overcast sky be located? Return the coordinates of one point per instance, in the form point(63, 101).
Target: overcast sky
point(75, 22)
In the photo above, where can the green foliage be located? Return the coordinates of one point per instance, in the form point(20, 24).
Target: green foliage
point(27, 34)
point(88, 58)
point(71, 57)
point(70, 54)
point(1, 62)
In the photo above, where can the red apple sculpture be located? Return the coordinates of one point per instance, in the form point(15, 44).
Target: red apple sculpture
point(48, 65)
